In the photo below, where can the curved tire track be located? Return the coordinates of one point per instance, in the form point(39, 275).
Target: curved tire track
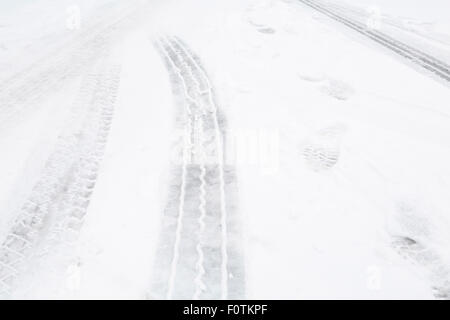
point(200, 251)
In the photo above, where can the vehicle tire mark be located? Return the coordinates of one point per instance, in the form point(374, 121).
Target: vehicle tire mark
point(59, 200)
point(208, 263)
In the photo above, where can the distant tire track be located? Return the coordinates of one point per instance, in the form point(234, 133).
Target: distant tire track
point(55, 210)
point(200, 252)
point(432, 65)
point(21, 93)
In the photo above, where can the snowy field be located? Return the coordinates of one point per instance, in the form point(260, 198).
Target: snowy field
point(240, 149)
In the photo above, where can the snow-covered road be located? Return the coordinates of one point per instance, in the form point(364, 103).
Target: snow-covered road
point(437, 68)
point(224, 149)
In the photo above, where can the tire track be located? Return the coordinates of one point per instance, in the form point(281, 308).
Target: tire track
point(199, 254)
point(436, 270)
point(21, 93)
point(417, 253)
point(55, 209)
point(432, 66)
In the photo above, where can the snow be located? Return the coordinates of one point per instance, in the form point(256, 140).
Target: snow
point(340, 148)
point(422, 24)
point(433, 11)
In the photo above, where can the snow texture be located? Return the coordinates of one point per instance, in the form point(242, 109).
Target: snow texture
point(240, 149)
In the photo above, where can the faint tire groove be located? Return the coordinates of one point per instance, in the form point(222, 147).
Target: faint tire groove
point(437, 271)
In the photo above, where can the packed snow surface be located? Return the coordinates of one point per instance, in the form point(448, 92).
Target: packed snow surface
point(240, 149)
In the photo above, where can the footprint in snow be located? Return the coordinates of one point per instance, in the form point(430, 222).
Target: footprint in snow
point(334, 88)
point(261, 28)
point(423, 257)
point(410, 220)
point(311, 76)
point(337, 89)
point(322, 151)
point(266, 30)
point(415, 230)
